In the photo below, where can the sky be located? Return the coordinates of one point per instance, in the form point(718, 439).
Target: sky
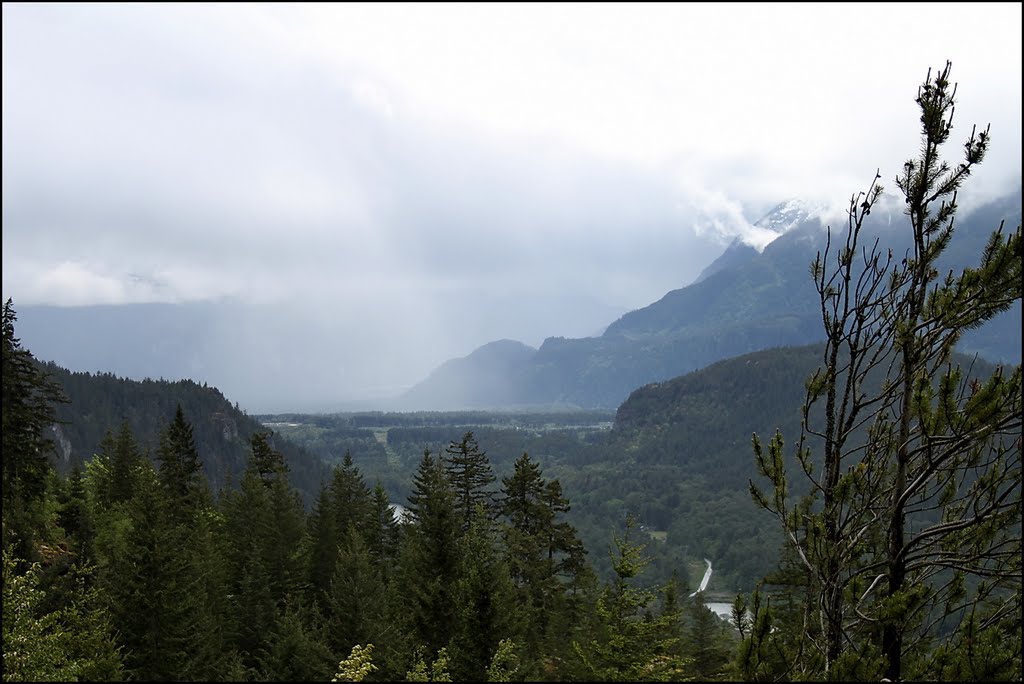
point(406, 182)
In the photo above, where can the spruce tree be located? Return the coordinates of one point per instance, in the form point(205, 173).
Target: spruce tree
point(356, 599)
point(470, 473)
point(431, 556)
point(180, 468)
point(324, 539)
point(123, 457)
point(631, 644)
point(544, 555)
point(383, 534)
point(485, 602)
point(350, 497)
point(28, 401)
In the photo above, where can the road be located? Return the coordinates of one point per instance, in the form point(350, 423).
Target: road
point(704, 582)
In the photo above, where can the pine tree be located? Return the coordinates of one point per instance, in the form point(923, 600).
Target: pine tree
point(297, 652)
point(544, 555)
point(632, 644)
point(707, 642)
point(123, 457)
point(351, 501)
point(356, 599)
point(916, 495)
point(75, 515)
point(180, 468)
point(29, 397)
point(264, 549)
point(138, 584)
point(253, 606)
point(265, 460)
point(430, 558)
point(486, 610)
point(383, 534)
point(324, 539)
point(470, 473)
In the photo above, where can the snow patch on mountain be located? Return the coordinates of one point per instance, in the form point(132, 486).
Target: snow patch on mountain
point(789, 215)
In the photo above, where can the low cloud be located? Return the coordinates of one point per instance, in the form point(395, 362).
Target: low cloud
point(402, 199)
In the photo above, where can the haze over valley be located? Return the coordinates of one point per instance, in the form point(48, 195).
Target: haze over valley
point(328, 233)
point(499, 342)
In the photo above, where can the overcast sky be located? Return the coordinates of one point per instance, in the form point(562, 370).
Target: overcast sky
point(422, 179)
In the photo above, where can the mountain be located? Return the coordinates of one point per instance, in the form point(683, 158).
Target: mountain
point(744, 302)
point(686, 445)
point(737, 254)
point(781, 219)
point(478, 380)
point(221, 430)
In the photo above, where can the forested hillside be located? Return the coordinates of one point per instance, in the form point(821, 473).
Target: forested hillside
point(101, 402)
point(129, 569)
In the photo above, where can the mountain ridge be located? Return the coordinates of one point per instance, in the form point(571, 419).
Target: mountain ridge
point(750, 301)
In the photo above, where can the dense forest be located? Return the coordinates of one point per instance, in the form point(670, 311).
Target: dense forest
point(879, 520)
point(132, 569)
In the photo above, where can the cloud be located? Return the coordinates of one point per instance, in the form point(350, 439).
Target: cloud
point(430, 178)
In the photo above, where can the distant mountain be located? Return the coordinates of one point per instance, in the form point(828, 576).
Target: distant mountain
point(479, 380)
point(743, 302)
point(737, 254)
point(783, 218)
point(100, 402)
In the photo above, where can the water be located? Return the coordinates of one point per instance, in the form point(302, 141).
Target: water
point(722, 610)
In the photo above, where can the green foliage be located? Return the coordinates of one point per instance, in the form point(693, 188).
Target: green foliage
point(356, 601)
point(179, 461)
point(437, 672)
point(221, 432)
point(357, 666)
point(469, 472)
point(484, 597)
point(914, 462)
point(632, 645)
point(28, 407)
point(505, 662)
point(706, 643)
point(431, 562)
point(67, 644)
point(296, 652)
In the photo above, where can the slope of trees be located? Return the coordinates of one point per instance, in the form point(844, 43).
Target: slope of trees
point(101, 402)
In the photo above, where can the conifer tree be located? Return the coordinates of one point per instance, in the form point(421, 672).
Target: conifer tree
point(356, 599)
point(141, 585)
point(470, 473)
point(543, 553)
point(631, 644)
point(350, 497)
point(41, 643)
point(265, 460)
point(486, 610)
point(180, 468)
point(707, 649)
point(324, 537)
point(430, 562)
point(383, 534)
point(122, 455)
point(297, 651)
point(75, 515)
point(29, 398)
point(916, 494)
